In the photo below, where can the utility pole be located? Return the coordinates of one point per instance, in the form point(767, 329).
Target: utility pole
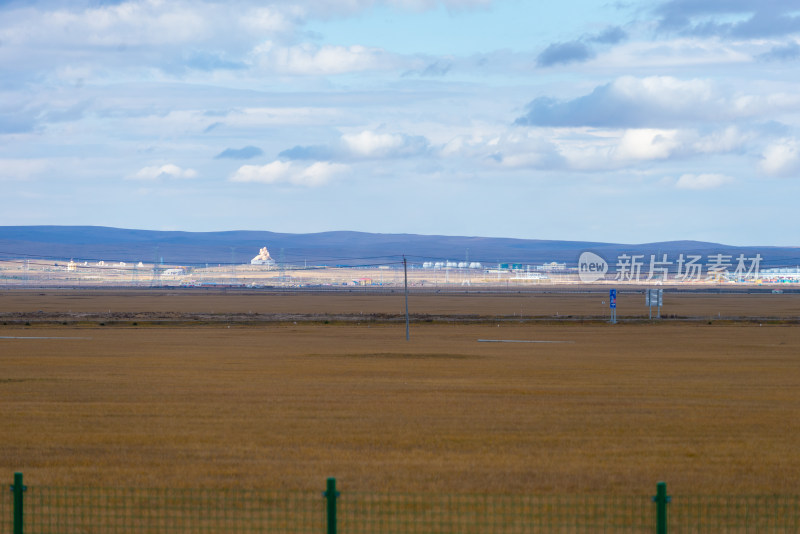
point(233, 267)
point(405, 276)
point(155, 281)
point(282, 266)
point(466, 266)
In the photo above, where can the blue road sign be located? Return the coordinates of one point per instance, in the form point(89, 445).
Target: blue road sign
point(612, 298)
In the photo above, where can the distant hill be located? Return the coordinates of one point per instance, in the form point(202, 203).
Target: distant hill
point(332, 248)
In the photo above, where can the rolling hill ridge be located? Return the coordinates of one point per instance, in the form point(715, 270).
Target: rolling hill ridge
point(334, 248)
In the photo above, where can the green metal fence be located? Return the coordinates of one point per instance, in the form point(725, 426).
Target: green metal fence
point(740, 514)
point(52, 510)
point(137, 510)
point(473, 514)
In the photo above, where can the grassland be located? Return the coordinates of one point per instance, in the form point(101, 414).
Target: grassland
point(204, 305)
point(711, 408)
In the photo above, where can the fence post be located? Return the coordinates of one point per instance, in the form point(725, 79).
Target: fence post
point(661, 499)
point(18, 488)
point(331, 494)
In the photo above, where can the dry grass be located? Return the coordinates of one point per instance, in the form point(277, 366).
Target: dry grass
point(544, 303)
point(709, 408)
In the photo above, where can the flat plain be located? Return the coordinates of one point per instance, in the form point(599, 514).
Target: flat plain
point(568, 407)
point(554, 302)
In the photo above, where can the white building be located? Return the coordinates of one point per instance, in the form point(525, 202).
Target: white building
point(552, 267)
point(263, 258)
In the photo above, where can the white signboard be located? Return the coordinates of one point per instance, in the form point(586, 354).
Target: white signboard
point(654, 297)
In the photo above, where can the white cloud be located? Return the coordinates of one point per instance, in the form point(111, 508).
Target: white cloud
point(364, 145)
point(310, 59)
point(665, 91)
point(164, 37)
point(782, 158)
point(521, 150)
point(658, 102)
point(647, 144)
point(576, 149)
point(673, 53)
point(729, 19)
point(287, 172)
point(702, 181)
point(369, 144)
point(630, 102)
point(271, 20)
point(151, 22)
point(142, 22)
point(589, 151)
point(164, 171)
point(274, 172)
point(730, 139)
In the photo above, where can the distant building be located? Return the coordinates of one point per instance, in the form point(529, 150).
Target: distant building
point(263, 258)
point(781, 274)
point(451, 265)
point(552, 267)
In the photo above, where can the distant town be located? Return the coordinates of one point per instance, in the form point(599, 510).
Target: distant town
point(264, 271)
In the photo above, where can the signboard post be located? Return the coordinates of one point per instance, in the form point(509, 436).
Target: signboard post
point(654, 297)
point(660, 301)
point(612, 304)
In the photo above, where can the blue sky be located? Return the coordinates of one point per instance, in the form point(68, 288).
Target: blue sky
point(623, 121)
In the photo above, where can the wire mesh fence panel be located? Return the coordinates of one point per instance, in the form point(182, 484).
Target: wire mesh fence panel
point(362, 513)
point(109, 510)
point(767, 514)
point(6, 509)
point(51, 510)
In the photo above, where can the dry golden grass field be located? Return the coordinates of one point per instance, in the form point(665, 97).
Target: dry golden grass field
point(49, 305)
point(710, 408)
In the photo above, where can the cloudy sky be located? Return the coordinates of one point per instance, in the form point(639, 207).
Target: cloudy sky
point(630, 121)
